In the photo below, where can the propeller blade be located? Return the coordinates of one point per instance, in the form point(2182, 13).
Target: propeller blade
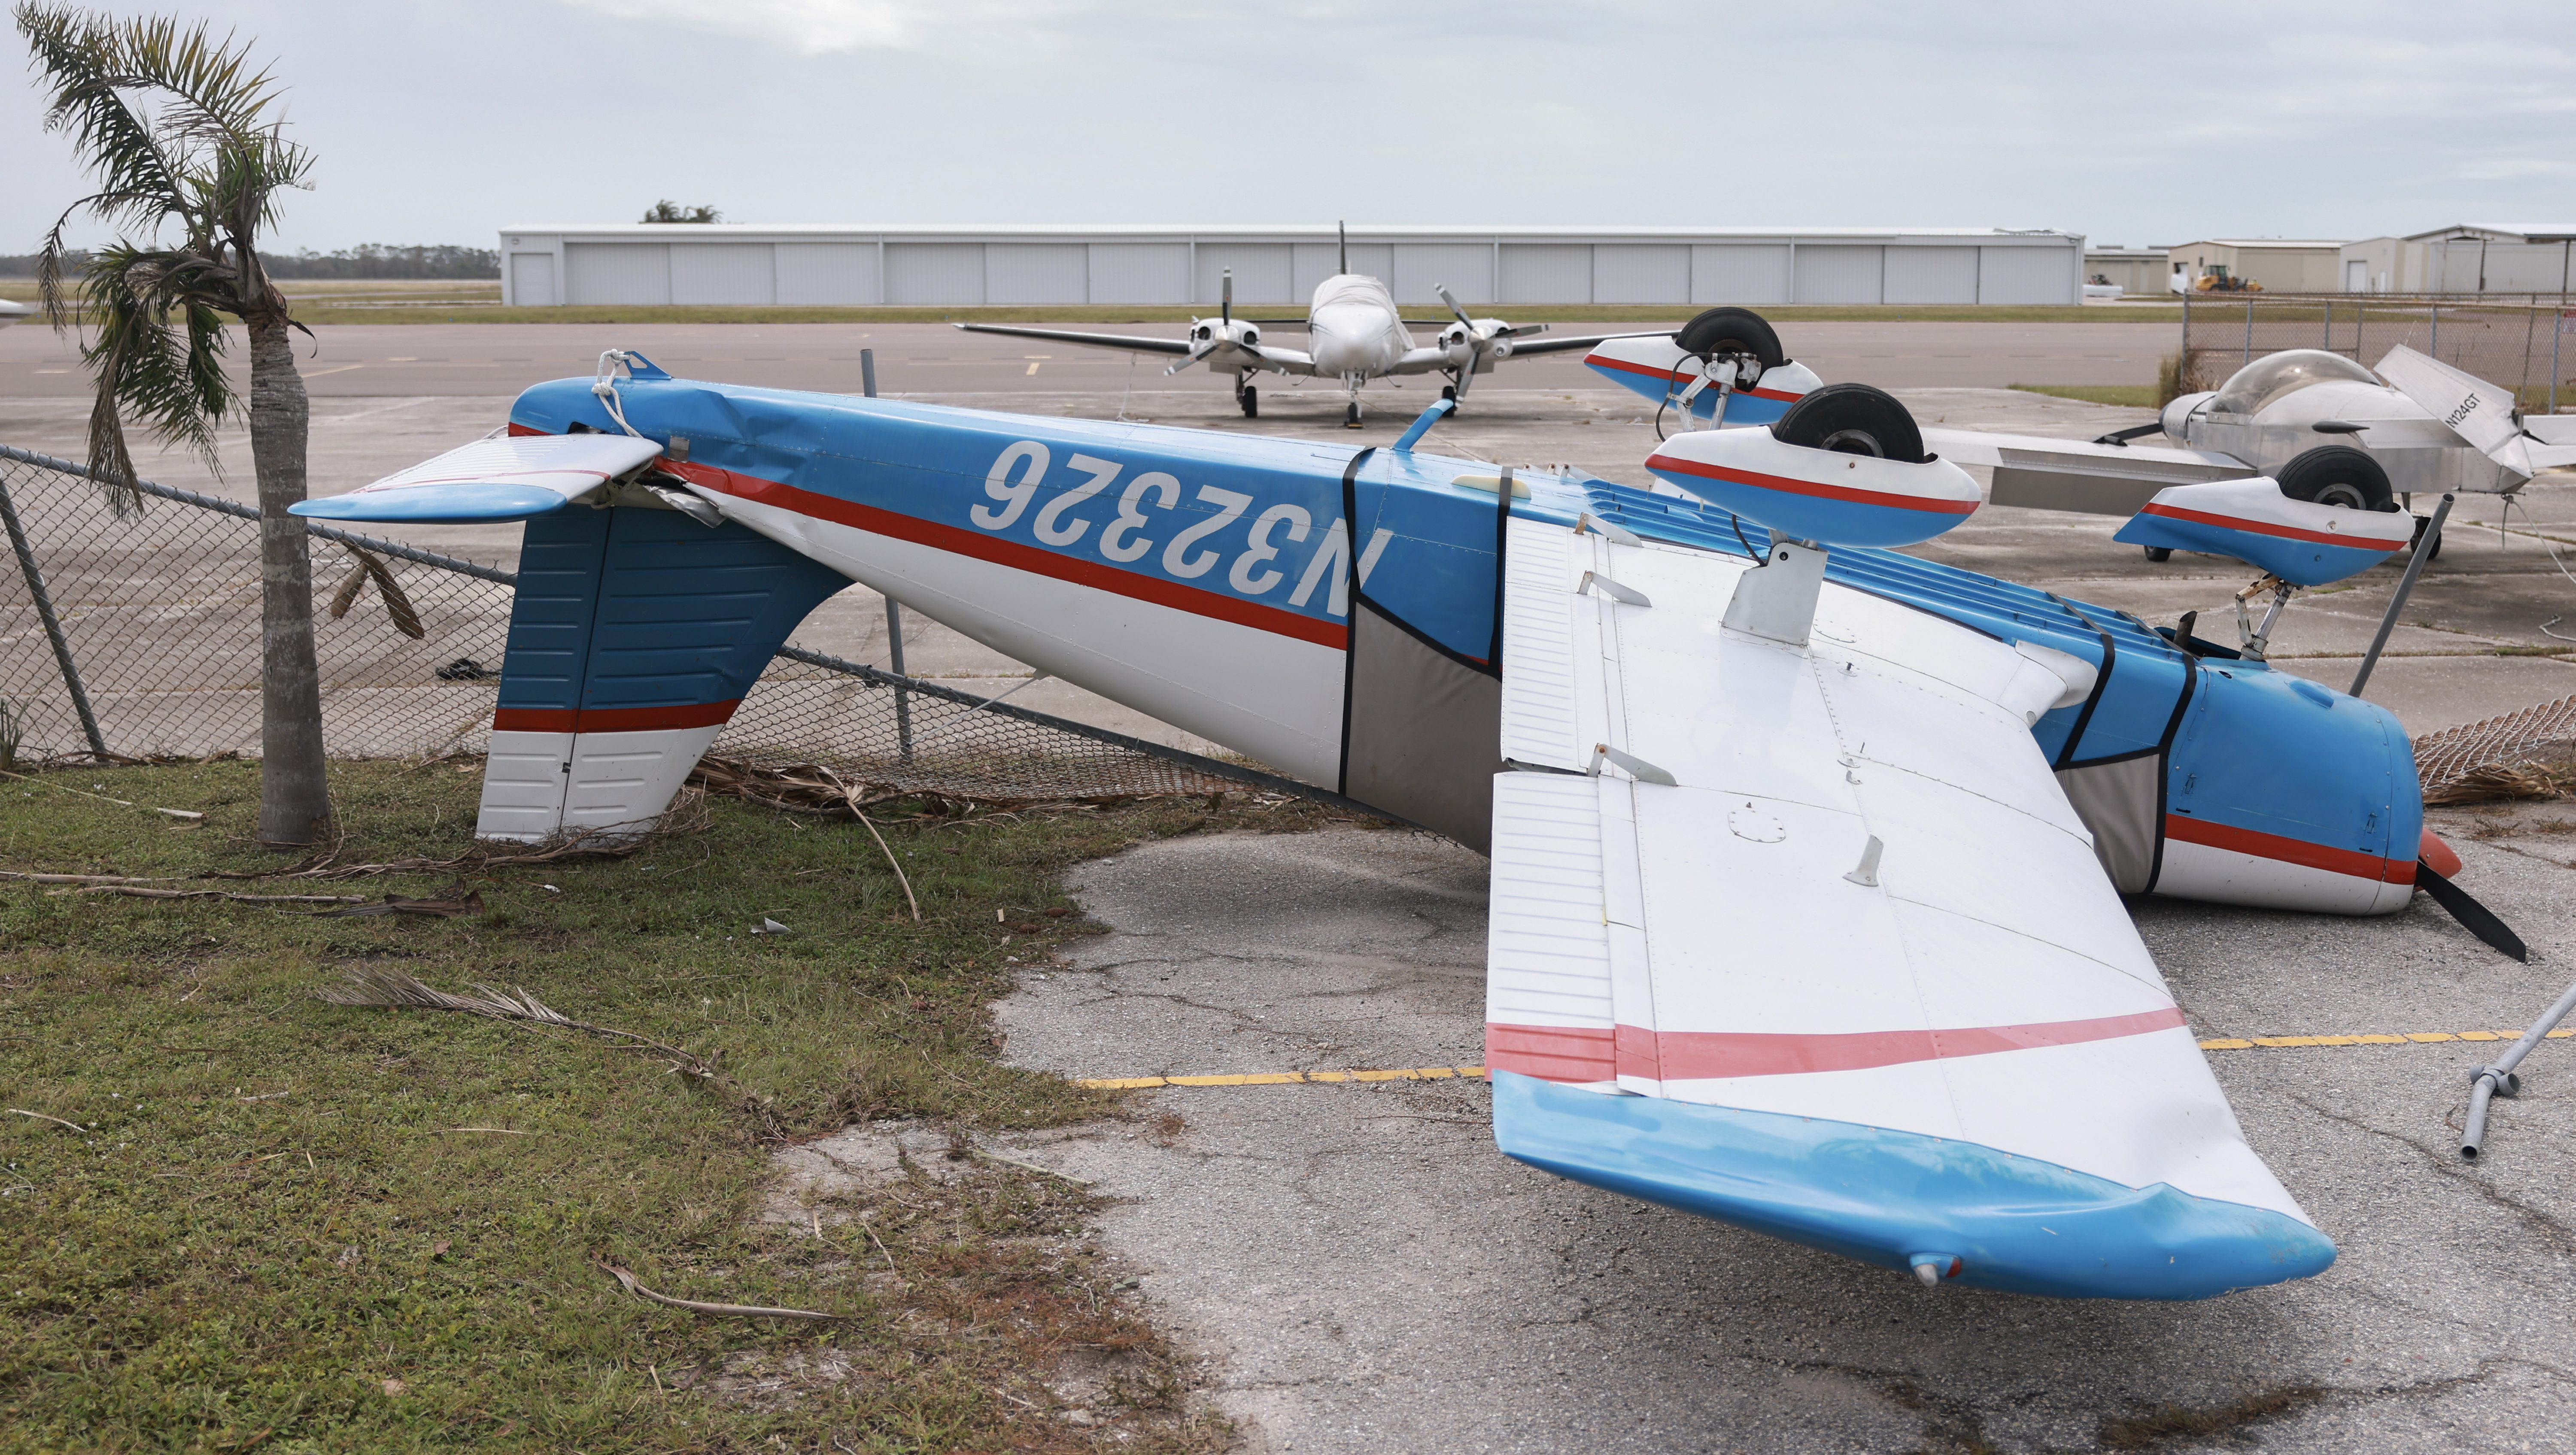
point(1343, 229)
point(1451, 299)
point(1196, 354)
point(1225, 304)
point(2474, 917)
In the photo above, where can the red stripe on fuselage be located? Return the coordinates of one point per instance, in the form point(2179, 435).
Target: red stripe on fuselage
point(2266, 528)
point(612, 719)
point(1649, 370)
point(1097, 575)
point(1552, 1052)
point(1787, 486)
point(2288, 851)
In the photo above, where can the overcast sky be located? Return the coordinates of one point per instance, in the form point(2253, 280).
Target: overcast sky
point(444, 120)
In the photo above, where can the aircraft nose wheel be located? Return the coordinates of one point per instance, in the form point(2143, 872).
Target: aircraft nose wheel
point(2159, 554)
point(1250, 399)
point(1351, 415)
point(1448, 391)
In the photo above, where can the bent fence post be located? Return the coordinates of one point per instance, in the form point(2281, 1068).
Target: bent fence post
point(53, 623)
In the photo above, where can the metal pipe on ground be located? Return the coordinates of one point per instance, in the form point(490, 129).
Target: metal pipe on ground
point(2498, 1078)
point(2425, 545)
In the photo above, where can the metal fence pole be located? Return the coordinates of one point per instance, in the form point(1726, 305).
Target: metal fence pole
point(2249, 330)
point(2557, 326)
point(53, 623)
point(894, 608)
point(2436, 346)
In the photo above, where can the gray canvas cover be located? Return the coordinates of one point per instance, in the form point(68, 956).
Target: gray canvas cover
point(1424, 731)
point(2122, 802)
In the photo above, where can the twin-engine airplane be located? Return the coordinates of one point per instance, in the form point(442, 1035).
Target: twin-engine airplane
point(2320, 425)
point(1354, 333)
point(1807, 856)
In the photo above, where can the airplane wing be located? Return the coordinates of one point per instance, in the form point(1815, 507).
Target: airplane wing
point(2054, 474)
point(1087, 340)
point(1530, 347)
point(505, 478)
point(1824, 952)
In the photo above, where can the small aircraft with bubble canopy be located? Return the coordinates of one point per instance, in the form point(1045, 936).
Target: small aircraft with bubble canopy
point(1808, 857)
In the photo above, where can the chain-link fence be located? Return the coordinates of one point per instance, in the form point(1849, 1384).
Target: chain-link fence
point(2527, 344)
point(130, 629)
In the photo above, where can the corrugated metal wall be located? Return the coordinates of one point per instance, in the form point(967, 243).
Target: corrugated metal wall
point(964, 271)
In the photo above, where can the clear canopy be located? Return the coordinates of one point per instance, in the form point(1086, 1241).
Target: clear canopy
point(2268, 378)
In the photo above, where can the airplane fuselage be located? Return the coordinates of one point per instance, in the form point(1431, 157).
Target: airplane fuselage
point(1354, 329)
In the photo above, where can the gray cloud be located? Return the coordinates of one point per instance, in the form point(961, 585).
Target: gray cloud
point(441, 120)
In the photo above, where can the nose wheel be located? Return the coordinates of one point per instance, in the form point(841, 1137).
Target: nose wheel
point(1351, 415)
point(1250, 399)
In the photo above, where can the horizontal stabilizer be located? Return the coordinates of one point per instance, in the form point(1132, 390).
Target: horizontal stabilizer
point(2303, 543)
point(492, 480)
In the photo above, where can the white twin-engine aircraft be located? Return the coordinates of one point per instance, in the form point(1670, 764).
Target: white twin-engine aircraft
point(1354, 333)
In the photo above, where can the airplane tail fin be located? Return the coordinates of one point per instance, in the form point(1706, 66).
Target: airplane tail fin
point(2475, 410)
point(635, 634)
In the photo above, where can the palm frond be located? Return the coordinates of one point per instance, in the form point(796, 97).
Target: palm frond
point(157, 354)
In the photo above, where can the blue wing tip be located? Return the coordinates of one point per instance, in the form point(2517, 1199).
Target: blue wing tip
point(1881, 1197)
point(464, 504)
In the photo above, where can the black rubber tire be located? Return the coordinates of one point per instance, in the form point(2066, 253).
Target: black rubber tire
point(2338, 475)
point(1351, 415)
point(2159, 554)
point(1852, 419)
point(1250, 399)
point(1448, 391)
point(1732, 331)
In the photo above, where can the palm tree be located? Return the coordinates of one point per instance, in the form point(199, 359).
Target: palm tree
point(181, 135)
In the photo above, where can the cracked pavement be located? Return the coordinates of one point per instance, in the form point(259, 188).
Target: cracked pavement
point(1364, 1272)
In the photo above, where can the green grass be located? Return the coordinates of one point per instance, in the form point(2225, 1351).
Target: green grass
point(2136, 396)
point(265, 1236)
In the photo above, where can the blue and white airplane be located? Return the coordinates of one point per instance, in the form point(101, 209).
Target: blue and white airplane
point(1808, 857)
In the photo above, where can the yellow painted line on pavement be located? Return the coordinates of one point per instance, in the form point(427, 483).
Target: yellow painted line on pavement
point(1288, 1078)
point(1477, 1073)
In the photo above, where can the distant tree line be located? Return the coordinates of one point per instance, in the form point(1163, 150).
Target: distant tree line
point(366, 260)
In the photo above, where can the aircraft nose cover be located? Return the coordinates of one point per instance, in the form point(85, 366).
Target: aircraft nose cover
point(2303, 543)
point(1818, 495)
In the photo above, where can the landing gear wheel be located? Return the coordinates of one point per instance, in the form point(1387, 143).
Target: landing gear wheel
point(1250, 399)
point(2338, 475)
point(1351, 415)
point(1449, 391)
point(2433, 551)
point(1732, 331)
point(1852, 419)
point(2159, 554)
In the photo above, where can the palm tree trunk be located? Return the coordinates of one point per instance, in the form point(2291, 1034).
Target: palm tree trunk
point(294, 797)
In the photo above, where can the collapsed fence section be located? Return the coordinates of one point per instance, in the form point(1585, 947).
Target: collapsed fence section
point(130, 630)
point(2527, 344)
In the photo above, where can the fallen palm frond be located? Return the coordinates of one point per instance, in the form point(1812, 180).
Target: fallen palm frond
point(737, 1310)
point(380, 987)
point(137, 891)
point(373, 985)
point(791, 787)
point(398, 606)
point(15, 876)
point(452, 905)
point(2488, 782)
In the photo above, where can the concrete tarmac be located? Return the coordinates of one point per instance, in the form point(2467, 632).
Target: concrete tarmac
point(1363, 1272)
point(932, 359)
